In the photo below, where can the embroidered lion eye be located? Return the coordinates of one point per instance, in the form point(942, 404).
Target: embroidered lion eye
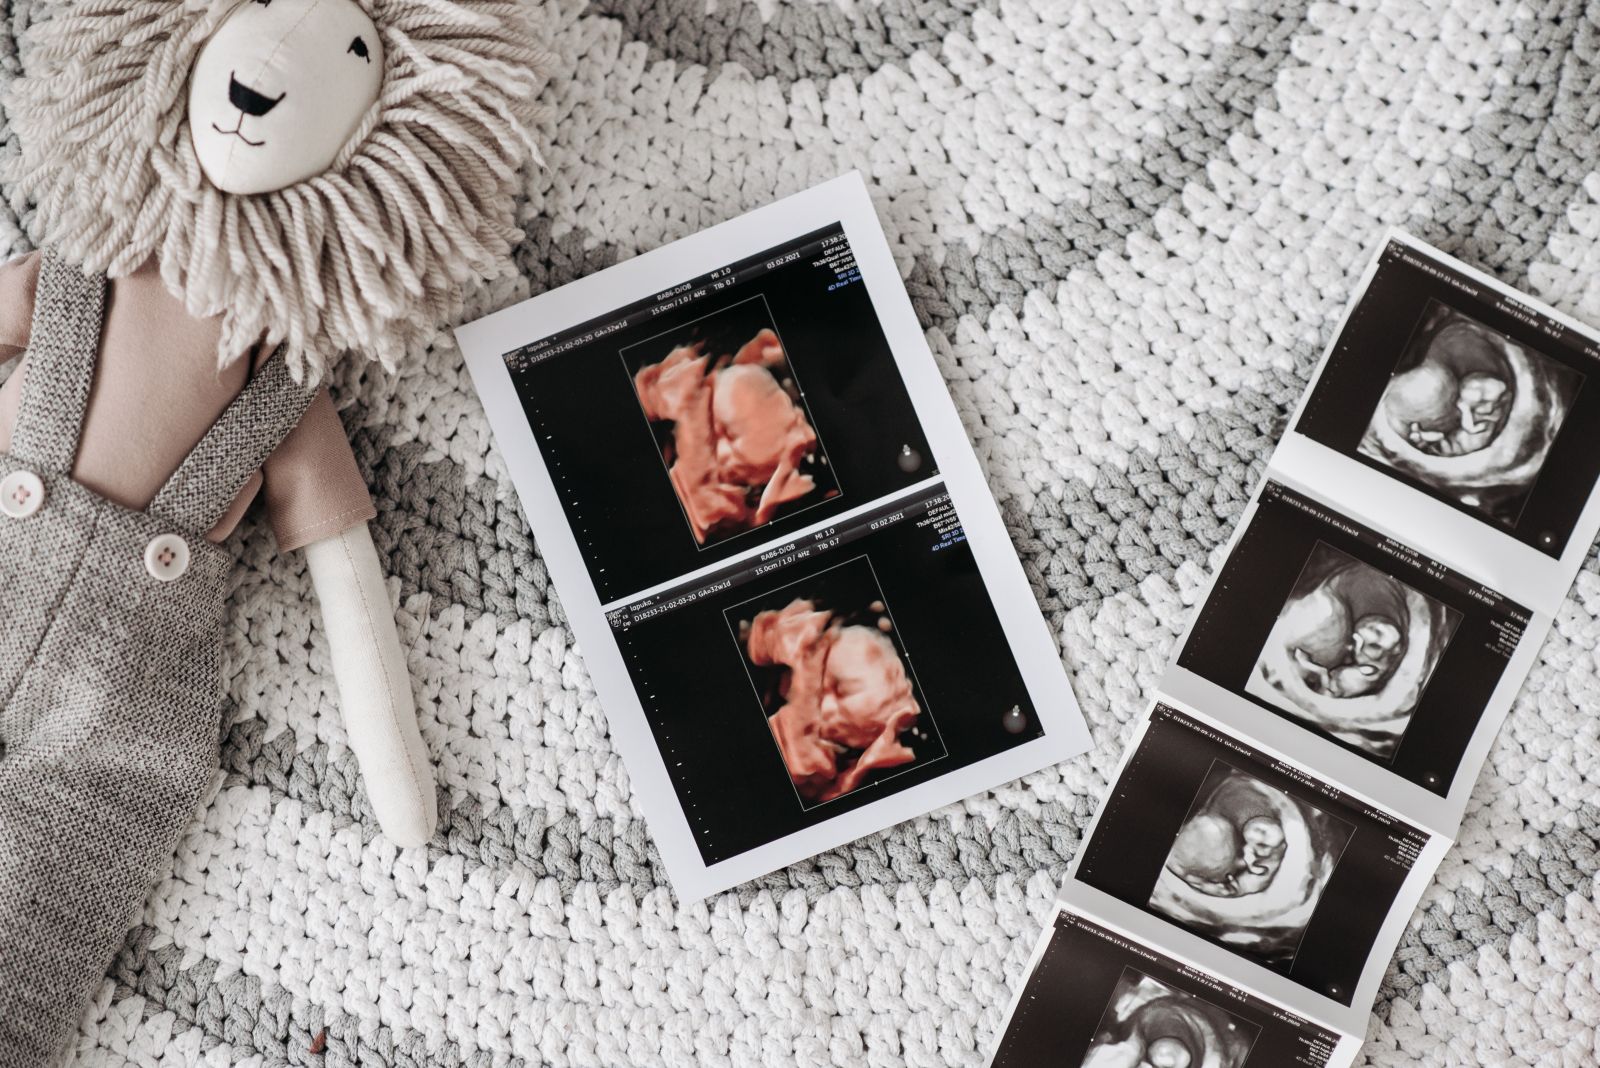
point(359, 47)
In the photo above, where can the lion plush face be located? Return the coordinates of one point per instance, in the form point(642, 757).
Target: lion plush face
point(325, 174)
point(279, 88)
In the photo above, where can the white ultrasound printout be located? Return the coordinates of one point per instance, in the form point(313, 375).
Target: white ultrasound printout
point(799, 605)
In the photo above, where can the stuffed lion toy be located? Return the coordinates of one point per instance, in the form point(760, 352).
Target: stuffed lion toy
point(227, 197)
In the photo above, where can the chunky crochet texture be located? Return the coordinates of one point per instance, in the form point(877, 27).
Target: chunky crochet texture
point(1129, 229)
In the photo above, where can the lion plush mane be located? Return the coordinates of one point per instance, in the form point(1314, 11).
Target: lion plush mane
point(368, 257)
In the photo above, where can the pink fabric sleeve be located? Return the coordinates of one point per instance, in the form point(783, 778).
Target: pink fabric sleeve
point(18, 278)
point(314, 488)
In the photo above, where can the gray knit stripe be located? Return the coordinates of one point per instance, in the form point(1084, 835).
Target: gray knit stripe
point(443, 534)
point(805, 40)
point(612, 854)
point(1563, 861)
point(1528, 155)
point(548, 262)
point(263, 1019)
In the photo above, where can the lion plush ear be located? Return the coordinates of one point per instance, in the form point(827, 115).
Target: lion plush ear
point(396, 131)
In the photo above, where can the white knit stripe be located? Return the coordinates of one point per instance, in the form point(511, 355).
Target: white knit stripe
point(1537, 1004)
point(1003, 90)
point(501, 963)
point(1127, 353)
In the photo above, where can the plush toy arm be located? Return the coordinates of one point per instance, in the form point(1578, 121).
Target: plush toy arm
point(374, 686)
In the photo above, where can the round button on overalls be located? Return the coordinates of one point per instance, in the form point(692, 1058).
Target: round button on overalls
point(166, 557)
point(21, 494)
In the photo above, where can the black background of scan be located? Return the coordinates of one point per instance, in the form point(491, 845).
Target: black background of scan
point(712, 731)
point(1370, 346)
point(1065, 998)
point(602, 454)
point(1147, 807)
point(1249, 593)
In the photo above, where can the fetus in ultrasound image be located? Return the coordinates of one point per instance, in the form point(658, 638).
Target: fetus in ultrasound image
point(1248, 866)
point(1352, 651)
point(730, 421)
point(1148, 1024)
point(840, 699)
point(1470, 413)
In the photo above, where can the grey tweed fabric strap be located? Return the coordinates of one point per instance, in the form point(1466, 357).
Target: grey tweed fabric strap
point(62, 347)
point(210, 477)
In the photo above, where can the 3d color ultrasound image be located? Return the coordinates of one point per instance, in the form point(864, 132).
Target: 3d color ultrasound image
point(1248, 866)
point(1148, 1024)
point(840, 698)
point(1470, 413)
point(1352, 651)
point(729, 417)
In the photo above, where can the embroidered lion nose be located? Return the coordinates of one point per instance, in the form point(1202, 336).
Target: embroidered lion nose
point(248, 100)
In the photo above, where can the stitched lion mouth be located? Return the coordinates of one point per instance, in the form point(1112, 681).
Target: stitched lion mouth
point(235, 133)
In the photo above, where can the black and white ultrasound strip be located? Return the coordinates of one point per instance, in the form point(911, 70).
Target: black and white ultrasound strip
point(1387, 591)
point(1463, 414)
point(1262, 872)
point(1098, 996)
point(1359, 653)
point(1310, 752)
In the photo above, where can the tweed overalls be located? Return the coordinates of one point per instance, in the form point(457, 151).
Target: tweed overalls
point(110, 667)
